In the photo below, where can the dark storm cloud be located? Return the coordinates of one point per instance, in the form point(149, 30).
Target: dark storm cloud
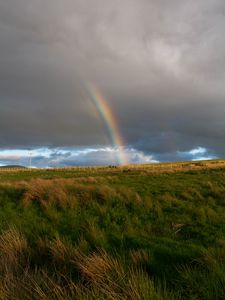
point(159, 63)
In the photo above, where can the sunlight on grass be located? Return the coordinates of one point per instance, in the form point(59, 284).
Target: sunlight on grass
point(113, 233)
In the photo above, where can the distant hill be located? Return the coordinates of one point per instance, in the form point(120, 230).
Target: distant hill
point(12, 167)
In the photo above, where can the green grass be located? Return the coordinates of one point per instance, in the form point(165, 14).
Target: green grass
point(136, 232)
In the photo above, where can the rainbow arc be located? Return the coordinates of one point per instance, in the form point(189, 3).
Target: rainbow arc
point(110, 121)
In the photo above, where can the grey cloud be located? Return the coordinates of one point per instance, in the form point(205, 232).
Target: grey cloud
point(159, 63)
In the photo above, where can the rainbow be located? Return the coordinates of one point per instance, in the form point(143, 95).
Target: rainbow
point(110, 121)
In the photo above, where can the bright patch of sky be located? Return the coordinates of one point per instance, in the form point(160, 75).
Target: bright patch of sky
point(199, 153)
point(69, 156)
point(93, 156)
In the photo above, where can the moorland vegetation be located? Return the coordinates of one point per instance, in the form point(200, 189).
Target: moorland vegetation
point(119, 233)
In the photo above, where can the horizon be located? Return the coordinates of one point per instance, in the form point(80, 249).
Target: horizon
point(58, 158)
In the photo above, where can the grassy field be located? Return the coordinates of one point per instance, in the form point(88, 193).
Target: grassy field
point(136, 232)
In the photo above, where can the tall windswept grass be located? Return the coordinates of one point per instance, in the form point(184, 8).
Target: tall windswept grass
point(47, 193)
point(14, 260)
point(13, 246)
point(140, 257)
point(108, 276)
point(62, 251)
point(67, 193)
point(116, 233)
point(98, 274)
point(105, 274)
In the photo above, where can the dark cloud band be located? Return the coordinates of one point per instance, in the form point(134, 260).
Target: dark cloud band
point(160, 65)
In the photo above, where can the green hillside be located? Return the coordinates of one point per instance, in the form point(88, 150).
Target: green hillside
point(152, 231)
point(12, 167)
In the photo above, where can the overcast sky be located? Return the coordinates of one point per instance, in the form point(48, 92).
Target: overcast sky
point(160, 65)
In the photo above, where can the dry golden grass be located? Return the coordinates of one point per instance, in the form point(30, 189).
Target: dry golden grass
point(108, 213)
point(61, 251)
point(105, 274)
point(140, 257)
point(101, 276)
point(49, 192)
point(69, 192)
point(12, 245)
point(64, 193)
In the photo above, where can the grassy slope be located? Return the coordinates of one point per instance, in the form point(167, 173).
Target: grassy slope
point(144, 232)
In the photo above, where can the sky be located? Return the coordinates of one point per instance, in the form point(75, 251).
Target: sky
point(159, 65)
